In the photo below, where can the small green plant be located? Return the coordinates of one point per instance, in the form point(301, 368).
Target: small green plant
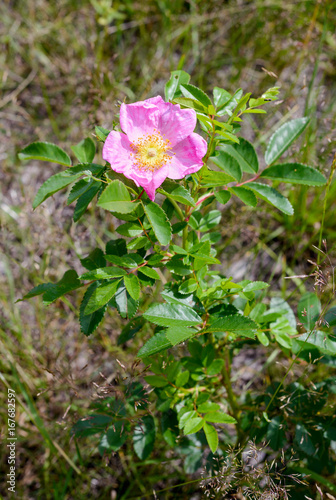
point(168, 189)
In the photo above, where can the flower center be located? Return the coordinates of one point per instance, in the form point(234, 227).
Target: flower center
point(150, 152)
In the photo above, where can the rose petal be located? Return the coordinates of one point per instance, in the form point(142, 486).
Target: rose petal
point(150, 181)
point(117, 152)
point(188, 156)
point(176, 124)
point(140, 118)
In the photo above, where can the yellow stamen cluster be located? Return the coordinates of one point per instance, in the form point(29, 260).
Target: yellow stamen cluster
point(150, 152)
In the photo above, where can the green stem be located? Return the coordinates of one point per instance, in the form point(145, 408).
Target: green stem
point(177, 209)
point(185, 229)
point(232, 399)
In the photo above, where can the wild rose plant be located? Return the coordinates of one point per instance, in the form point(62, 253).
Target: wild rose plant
point(169, 187)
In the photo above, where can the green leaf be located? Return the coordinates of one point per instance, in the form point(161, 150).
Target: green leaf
point(176, 192)
point(182, 378)
point(116, 198)
point(215, 367)
point(172, 315)
point(130, 229)
point(172, 87)
point(92, 424)
point(263, 339)
point(208, 407)
point(276, 434)
point(178, 334)
point(85, 199)
point(227, 136)
point(101, 296)
point(81, 187)
point(220, 96)
point(330, 317)
point(85, 150)
point(193, 425)
point(228, 107)
point(137, 243)
point(188, 287)
point(68, 283)
point(103, 273)
point(309, 309)
point(223, 196)
point(113, 439)
point(144, 437)
point(280, 306)
point(271, 196)
point(303, 440)
point(101, 133)
point(188, 415)
point(242, 103)
point(210, 178)
point(190, 103)
point(116, 247)
point(176, 266)
point(132, 286)
point(178, 227)
point(208, 221)
point(236, 323)
point(254, 111)
point(95, 260)
point(295, 173)
point(317, 340)
point(245, 154)
point(169, 427)
point(228, 164)
point(255, 285)
point(56, 183)
point(156, 380)
point(283, 138)
point(219, 418)
point(130, 261)
point(37, 290)
point(245, 195)
point(176, 298)
point(195, 93)
point(129, 331)
point(155, 344)
point(52, 291)
point(211, 436)
point(159, 222)
point(126, 305)
point(45, 151)
point(148, 271)
point(89, 322)
point(282, 331)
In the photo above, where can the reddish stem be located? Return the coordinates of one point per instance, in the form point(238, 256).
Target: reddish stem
point(249, 180)
point(138, 198)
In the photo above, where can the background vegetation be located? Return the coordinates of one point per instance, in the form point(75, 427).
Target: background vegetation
point(64, 67)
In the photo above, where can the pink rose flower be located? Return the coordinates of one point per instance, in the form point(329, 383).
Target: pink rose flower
point(159, 142)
